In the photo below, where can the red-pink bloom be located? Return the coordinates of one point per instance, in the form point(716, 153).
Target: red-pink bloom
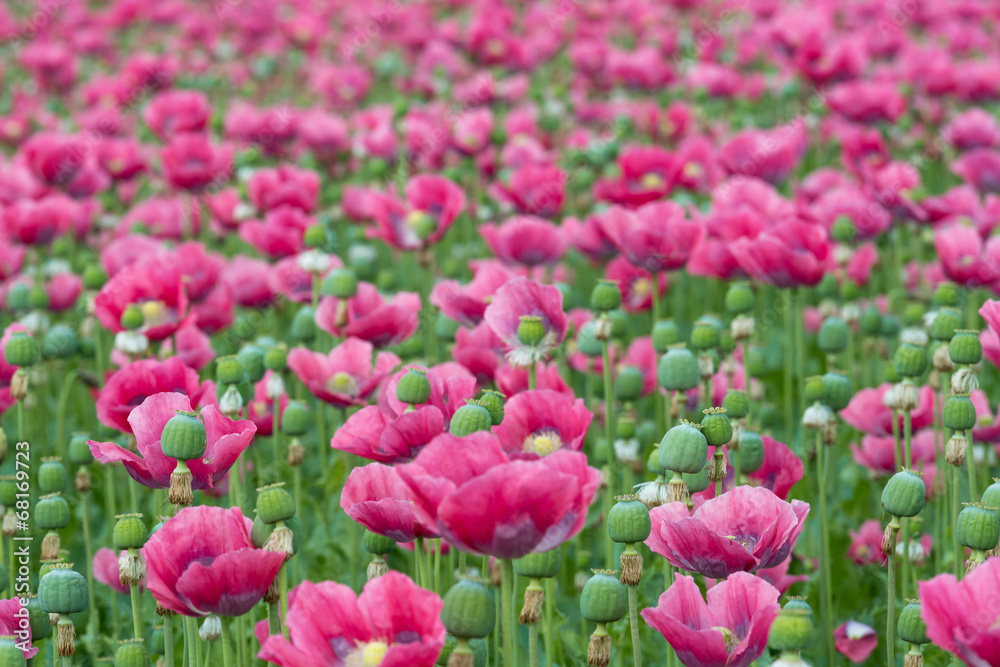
point(226, 208)
point(11, 615)
point(368, 316)
point(744, 529)
point(192, 162)
point(535, 190)
point(346, 376)
point(769, 155)
point(525, 240)
point(647, 174)
point(980, 168)
point(961, 616)
point(869, 102)
point(391, 614)
point(194, 347)
point(377, 435)
point(974, 128)
point(642, 357)
point(881, 456)
point(781, 469)
point(729, 631)
point(855, 641)
point(156, 285)
point(199, 268)
point(289, 279)
point(248, 280)
point(203, 562)
point(867, 411)
point(132, 384)
point(472, 129)
point(521, 297)
point(467, 303)
point(789, 254)
point(152, 468)
point(324, 134)
point(965, 257)
point(376, 497)
point(162, 217)
point(123, 159)
point(260, 409)
point(513, 380)
point(56, 159)
point(431, 207)
point(126, 250)
point(778, 576)
point(538, 422)
point(39, 222)
point(286, 185)
point(635, 284)
point(866, 544)
point(451, 384)
point(105, 568)
point(177, 111)
point(479, 350)
point(663, 239)
point(279, 234)
point(485, 503)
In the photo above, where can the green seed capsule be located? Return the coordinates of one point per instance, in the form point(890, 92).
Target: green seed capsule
point(837, 390)
point(79, 450)
point(156, 640)
point(665, 334)
point(295, 418)
point(274, 504)
point(736, 403)
point(8, 491)
point(480, 656)
point(132, 653)
point(38, 618)
point(911, 626)
point(833, 335)
point(130, 532)
point(910, 360)
point(605, 296)
point(850, 291)
point(965, 348)
point(251, 357)
point(52, 476)
point(991, 496)
point(470, 418)
point(704, 334)
point(684, 449)
point(604, 598)
point(678, 370)
point(62, 590)
point(587, 341)
point(60, 342)
point(17, 297)
point(653, 461)
point(890, 326)
point(530, 330)
point(542, 565)
point(276, 358)
point(751, 452)
point(262, 531)
point(871, 321)
point(792, 629)
point(445, 328)
point(376, 544)
point(904, 494)
point(739, 298)
point(493, 401)
point(21, 350)
point(628, 520)
point(977, 528)
point(698, 481)
point(469, 610)
point(944, 324)
point(132, 318)
point(94, 277)
point(756, 362)
point(414, 387)
point(814, 390)
point(52, 512)
point(716, 427)
point(184, 437)
point(303, 327)
point(341, 283)
point(959, 413)
point(628, 384)
point(947, 294)
point(228, 370)
point(10, 654)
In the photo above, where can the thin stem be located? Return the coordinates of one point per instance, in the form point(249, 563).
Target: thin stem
point(227, 658)
point(533, 645)
point(633, 619)
point(273, 619)
point(506, 590)
point(799, 352)
point(168, 639)
point(136, 611)
point(322, 441)
point(609, 435)
point(549, 614)
point(532, 372)
point(94, 623)
point(956, 503)
point(970, 461)
point(890, 621)
point(655, 286)
point(825, 562)
point(787, 396)
point(67, 386)
point(908, 457)
point(276, 430)
point(283, 593)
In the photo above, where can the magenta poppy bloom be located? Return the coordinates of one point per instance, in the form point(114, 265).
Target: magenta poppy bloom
point(513, 380)
point(431, 207)
point(974, 128)
point(867, 101)
point(769, 155)
point(177, 111)
point(535, 190)
point(867, 411)
point(781, 469)
point(192, 162)
point(866, 544)
point(393, 621)
point(664, 238)
point(376, 497)
point(200, 269)
point(132, 384)
point(377, 435)
point(105, 567)
point(289, 279)
point(286, 185)
point(63, 289)
point(648, 173)
point(961, 616)
point(203, 562)
point(728, 630)
point(279, 234)
point(789, 254)
point(855, 641)
point(595, 236)
point(526, 240)
point(525, 298)
point(39, 222)
point(10, 624)
point(480, 351)
point(635, 284)
point(156, 285)
point(641, 356)
point(471, 131)
point(466, 304)
point(213, 314)
point(744, 529)
point(152, 468)
point(880, 455)
point(486, 503)
point(778, 576)
point(990, 312)
point(965, 257)
point(346, 376)
point(538, 422)
point(451, 384)
point(260, 410)
point(162, 217)
point(55, 159)
point(368, 316)
point(980, 168)
point(11, 260)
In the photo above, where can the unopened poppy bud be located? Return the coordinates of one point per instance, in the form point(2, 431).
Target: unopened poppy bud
point(276, 358)
point(944, 324)
point(295, 418)
point(704, 334)
point(470, 418)
point(871, 321)
point(792, 629)
point(678, 370)
point(965, 347)
point(21, 350)
point(736, 403)
point(606, 296)
point(740, 298)
point(530, 330)
point(132, 653)
point(628, 384)
point(665, 333)
point(494, 402)
point(833, 335)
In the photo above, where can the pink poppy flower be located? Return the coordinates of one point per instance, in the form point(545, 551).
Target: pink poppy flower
point(512, 380)
point(980, 168)
point(10, 624)
point(105, 567)
point(480, 351)
point(248, 280)
point(392, 618)
point(663, 240)
point(467, 303)
point(519, 298)
point(534, 190)
point(260, 410)
point(156, 285)
point(866, 544)
point(122, 159)
point(126, 250)
point(867, 411)
point(729, 630)
point(192, 162)
point(965, 257)
point(769, 155)
point(789, 254)
point(11, 260)
point(288, 279)
point(368, 316)
point(648, 173)
point(324, 134)
point(778, 576)
point(177, 111)
point(974, 128)
point(485, 503)
point(377, 435)
point(132, 384)
point(39, 222)
point(451, 384)
point(961, 616)
point(472, 129)
point(199, 268)
point(538, 422)
point(279, 234)
point(855, 641)
point(781, 469)
point(194, 347)
point(991, 346)
point(431, 207)
point(881, 456)
point(286, 185)
point(55, 159)
point(744, 529)
point(525, 241)
point(867, 101)
point(162, 217)
point(214, 313)
point(595, 236)
point(346, 376)
point(203, 562)
point(226, 208)
point(152, 468)
point(63, 289)
point(635, 284)
point(376, 497)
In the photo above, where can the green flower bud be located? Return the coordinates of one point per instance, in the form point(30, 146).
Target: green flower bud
point(131, 653)
point(740, 298)
point(315, 236)
point(946, 322)
point(665, 334)
point(628, 384)
point(837, 390)
point(684, 448)
point(376, 544)
point(792, 629)
point(736, 403)
point(827, 287)
point(228, 370)
point(295, 418)
point(751, 452)
point(833, 335)
point(678, 370)
point(716, 427)
point(965, 348)
point(341, 283)
point(606, 296)
point(52, 476)
point(628, 520)
point(52, 512)
point(871, 321)
point(814, 389)
point(94, 278)
point(913, 314)
point(445, 328)
point(133, 318)
point(843, 230)
point(493, 401)
point(890, 326)
point(20, 350)
point(17, 297)
point(63, 590)
point(543, 565)
point(303, 327)
point(911, 626)
point(704, 335)
point(251, 357)
point(850, 291)
point(587, 341)
point(38, 298)
point(904, 494)
point(959, 413)
point(910, 360)
point(60, 342)
point(947, 295)
point(977, 527)
point(276, 358)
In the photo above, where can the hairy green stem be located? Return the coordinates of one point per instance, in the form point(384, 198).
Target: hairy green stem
point(227, 657)
point(609, 435)
point(633, 619)
point(507, 619)
point(825, 587)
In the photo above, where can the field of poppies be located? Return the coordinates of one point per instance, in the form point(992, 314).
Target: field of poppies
point(401, 333)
